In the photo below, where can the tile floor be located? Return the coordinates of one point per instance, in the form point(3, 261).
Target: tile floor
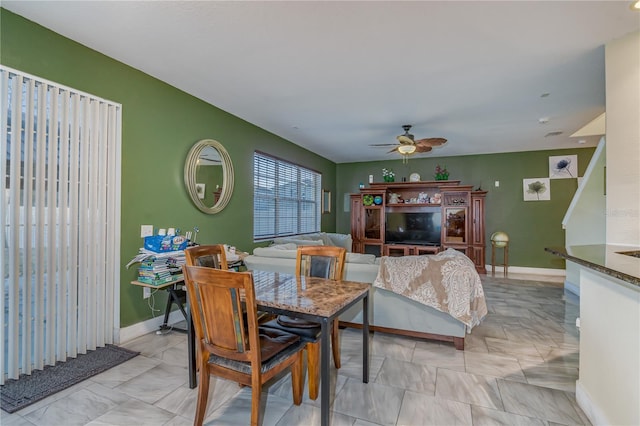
point(519, 367)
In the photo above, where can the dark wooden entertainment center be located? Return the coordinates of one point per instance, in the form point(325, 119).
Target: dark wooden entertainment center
point(461, 223)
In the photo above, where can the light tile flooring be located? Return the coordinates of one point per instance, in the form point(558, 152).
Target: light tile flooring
point(519, 367)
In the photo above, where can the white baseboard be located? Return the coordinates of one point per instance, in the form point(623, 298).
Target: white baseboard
point(572, 288)
point(528, 270)
point(148, 326)
point(592, 411)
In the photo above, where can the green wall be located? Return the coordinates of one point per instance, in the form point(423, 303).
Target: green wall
point(159, 125)
point(531, 225)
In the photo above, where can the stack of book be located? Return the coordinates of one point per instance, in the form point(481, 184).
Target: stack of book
point(159, 268)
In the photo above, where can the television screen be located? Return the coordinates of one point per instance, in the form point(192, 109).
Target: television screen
point(421, 228)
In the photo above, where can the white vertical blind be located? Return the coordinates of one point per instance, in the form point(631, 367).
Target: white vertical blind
point(286, 198)
point(60, 222)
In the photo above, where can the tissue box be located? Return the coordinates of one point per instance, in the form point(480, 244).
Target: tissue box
point(164, 243)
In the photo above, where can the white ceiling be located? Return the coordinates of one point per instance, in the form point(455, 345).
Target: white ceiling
point(336, 76)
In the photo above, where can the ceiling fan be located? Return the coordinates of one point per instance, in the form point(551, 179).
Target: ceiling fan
point(407, 144)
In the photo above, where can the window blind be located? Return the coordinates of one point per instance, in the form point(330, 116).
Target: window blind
point(286, 198)
point(59, 222)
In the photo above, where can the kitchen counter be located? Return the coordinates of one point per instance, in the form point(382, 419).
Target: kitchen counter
point(608, 386)
point(606, 259)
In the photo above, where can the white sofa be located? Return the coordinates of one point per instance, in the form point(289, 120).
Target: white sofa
point(389, 312)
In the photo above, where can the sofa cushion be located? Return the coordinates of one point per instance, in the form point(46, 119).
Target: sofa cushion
point(274, 251)
point(299, 241)
point(327, 239)
point(286, 246)
point(341, 240)
point(361, 258)
point(288, 251)
point(322, 236)
point(284, 240)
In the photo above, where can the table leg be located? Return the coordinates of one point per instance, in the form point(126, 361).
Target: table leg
point(167, 310)
point(493, 260)
point(365, 339)
point(177, 301)
point(506, 260)
point(325, 380)
point(191, 349)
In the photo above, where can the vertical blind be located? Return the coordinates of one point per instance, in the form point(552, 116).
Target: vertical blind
point(60, 222)
point(286, 198)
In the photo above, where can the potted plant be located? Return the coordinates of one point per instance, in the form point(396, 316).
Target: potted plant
point(441, 173)
point(388, 175)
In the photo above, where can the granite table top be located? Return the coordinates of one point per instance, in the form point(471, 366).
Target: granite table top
point(315, 296)
point(604, 258)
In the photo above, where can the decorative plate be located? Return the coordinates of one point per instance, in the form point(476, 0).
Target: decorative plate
point(367, 200)
point(414, 177)
point(377, 200)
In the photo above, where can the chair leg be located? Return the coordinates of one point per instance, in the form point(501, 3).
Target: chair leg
point(297, 379)
point(335, 343)
point(256, 390)
point(313, 368)
point(203, 395)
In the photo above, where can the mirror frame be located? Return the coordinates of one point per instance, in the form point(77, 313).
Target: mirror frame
point(190, 167)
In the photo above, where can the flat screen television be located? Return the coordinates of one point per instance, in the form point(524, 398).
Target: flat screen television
point(411, 227)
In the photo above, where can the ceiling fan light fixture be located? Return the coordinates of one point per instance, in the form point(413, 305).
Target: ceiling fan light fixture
point(406, 149)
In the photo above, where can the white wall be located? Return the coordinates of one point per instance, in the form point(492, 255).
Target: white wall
point(622, 58)
point(585, 221)
point(608, 390)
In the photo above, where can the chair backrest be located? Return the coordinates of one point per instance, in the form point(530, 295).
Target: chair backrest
point(321, 261)
point(217, 309)
point(211, 256)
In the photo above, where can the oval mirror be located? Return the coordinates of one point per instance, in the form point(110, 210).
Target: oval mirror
point(208, 176)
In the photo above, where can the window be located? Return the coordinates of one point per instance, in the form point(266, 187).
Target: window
point(286, 198)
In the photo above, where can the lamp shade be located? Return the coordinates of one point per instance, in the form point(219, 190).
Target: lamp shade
point(406, 149)
point(500, 239)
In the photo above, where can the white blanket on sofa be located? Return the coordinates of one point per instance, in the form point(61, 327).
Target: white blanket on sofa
point(447, 281)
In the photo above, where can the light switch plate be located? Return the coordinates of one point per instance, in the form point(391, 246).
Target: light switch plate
point(146, 231)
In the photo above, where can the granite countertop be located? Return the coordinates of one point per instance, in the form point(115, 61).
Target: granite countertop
point(604, 258)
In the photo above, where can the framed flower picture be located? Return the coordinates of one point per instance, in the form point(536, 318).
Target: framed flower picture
point(563, 167)
point(536, 189)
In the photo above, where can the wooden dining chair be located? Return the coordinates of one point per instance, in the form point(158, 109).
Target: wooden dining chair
point(210, 256)
point(323, 262)
point(214, 256)
point(232, 349)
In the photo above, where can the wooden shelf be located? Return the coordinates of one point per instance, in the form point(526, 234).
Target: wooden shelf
point(413, 205)
point(368, 222)
point(394, 185)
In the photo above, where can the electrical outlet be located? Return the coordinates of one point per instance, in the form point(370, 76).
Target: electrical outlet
point(146, 292)
point(146, 231)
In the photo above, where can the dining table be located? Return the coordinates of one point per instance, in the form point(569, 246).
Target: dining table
point(315, 299)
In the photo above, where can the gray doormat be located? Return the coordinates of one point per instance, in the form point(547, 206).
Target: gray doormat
point(28, 389)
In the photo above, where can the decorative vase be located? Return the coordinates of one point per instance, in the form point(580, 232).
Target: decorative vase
point(388, 178)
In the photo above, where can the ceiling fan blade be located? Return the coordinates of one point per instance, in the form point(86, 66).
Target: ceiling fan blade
point(431, 142)
point(383, 144)
point(423, 148)
point(393, 150)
